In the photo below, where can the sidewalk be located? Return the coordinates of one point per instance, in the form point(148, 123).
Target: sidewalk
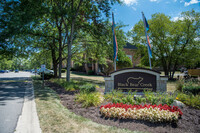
point(28, 122)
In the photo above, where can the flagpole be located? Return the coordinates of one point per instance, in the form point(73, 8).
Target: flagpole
point(146, 39)
point(114, 64)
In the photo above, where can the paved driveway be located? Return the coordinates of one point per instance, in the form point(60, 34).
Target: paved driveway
point(12, 90)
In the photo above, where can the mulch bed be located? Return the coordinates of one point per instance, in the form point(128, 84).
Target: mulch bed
point(190, 121)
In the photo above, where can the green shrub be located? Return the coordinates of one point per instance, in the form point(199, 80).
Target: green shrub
point(129, 99)
point(116, 100)
point(87, 88)
point(89, 99)
point(124, 62)
point(143, 100)
point(138, 100)
point(132, 102)
point(69, 86)
point(154, 100)
point(148, 95)
point(124, 101)
point(170, 101)
point(190, 100)
point(163, 101)
point(191, 89)
point(114, 94)
point(47, 75)
point(179, 85)
point(62, 70)
point(90, 72)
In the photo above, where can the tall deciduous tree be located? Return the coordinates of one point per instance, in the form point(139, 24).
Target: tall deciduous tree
point(173, 43)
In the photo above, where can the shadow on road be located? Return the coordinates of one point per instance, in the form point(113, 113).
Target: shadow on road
point(14, 88)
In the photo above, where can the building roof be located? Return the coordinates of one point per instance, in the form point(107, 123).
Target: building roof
point(130, 46)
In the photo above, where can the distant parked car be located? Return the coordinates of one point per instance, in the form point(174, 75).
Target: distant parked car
point(2, 71)
point(7, 71)
point(46, 71)
point(16, 70)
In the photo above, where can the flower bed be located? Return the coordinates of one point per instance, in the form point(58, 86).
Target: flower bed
point(152, 113)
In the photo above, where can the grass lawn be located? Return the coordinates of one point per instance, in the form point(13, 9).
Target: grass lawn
point(55, 118)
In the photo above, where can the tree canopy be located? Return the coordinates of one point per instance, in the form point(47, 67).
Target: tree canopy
point(174, 43)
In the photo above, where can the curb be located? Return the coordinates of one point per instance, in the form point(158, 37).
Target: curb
point(28, 121)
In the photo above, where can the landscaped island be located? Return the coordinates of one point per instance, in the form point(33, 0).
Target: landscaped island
point(152, 112)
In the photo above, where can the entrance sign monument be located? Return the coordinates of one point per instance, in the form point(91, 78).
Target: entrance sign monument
point(136, 79)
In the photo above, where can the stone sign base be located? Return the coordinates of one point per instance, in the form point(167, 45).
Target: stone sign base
point(136, 79)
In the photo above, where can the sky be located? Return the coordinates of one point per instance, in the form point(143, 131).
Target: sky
point(129, 13)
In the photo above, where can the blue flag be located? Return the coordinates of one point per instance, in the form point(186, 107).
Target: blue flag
point(115, 46)
point(147, 25)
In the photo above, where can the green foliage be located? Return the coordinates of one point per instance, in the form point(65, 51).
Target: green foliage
point(114, 94)
point(143, 100)
point(164, 101)
point(174, 45)
point(126, 62)
point(89, 99)
point(163, 98)
point(191, 89)
point(170, 101)
point(69, 86)
point(117, 100)
point(154, 100)
point(87, 88)
point(188, 86)
point(62, 70)
point(190, 100)
point(90, 72)
point(138, 100)
point(47, 75)
point(179, 85)
point(124, 100)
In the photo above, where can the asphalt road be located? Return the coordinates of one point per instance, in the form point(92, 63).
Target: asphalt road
point(12, 90)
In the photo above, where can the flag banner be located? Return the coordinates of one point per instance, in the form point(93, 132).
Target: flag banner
point(149, 47)
point(146, 25)
point(115, 46)
point(149, 50)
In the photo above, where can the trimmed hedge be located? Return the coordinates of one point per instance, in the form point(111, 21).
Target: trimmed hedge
point(87, 88)
point(191, 89)
point(90, 72)
point(47, 76)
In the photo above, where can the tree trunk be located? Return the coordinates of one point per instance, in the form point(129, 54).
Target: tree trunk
point(165, 67)
point(60, 53)
point(174, 69)
point(85, 64)
point(96, 68)
point(70, 53)
point(54, 58)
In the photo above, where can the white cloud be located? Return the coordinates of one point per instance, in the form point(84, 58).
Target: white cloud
point(157, 1)
point(175, 0)
point(134, 8)
point(153, 0)
point(177, 18)
point(130, 2)
point(191, 2)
